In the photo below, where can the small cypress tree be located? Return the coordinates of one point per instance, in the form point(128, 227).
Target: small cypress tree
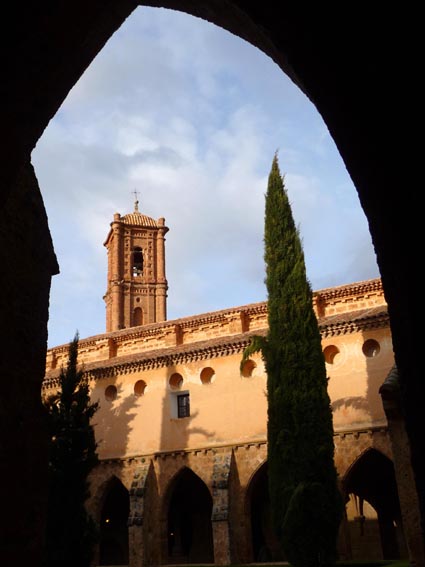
point(71, 532)
point(305, 500)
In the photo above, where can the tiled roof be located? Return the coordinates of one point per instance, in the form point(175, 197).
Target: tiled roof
point(138, 219)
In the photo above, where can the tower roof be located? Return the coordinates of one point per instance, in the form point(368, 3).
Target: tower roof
point(138, 219)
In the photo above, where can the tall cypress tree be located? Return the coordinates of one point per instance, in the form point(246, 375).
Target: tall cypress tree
point(71, 532)
point(306, 504)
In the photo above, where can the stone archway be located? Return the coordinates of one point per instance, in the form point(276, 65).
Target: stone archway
point(373, 508)
point(114, 544)
point(265, 546)
point(351, 82)
point(189, 527)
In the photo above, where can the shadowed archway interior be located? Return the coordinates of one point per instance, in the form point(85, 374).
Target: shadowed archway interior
point(113, 525)
point(372, 479)
point(265, 545)
point(189, 528)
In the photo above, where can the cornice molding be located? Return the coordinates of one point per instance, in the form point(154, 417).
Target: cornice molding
point(354, 290)
point(158, 359)
point(148, 331)
point(347, 327)
point(203, 350)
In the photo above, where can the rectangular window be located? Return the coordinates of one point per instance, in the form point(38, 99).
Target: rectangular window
point(183, 405)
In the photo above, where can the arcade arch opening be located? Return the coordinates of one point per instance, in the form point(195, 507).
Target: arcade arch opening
point(189, 528)
point(373, 508)
point(113, 545)
point(264, 543)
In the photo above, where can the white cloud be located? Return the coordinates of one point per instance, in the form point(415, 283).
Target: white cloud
point(191, 117)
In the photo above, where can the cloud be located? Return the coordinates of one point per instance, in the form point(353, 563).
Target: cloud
point(190, 116)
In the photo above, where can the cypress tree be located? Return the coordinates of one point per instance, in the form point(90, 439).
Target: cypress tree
point(71, 532)
point(305, 500)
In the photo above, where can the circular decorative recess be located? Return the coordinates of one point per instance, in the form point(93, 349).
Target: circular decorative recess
point(139, 388)
point(248, 368)
point(207, 375)
point(331, 352)
point(176, 381)
point(111, 393)
point(371, 348)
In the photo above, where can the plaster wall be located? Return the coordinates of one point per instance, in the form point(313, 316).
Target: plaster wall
point(355, 377)
point(141, 416)
point(134, 425)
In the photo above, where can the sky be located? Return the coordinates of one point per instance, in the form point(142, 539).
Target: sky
point(190, 116)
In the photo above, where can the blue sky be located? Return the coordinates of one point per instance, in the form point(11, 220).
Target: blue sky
point(190, 116)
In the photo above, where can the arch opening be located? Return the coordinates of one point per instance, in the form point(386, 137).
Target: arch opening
point(137, 267)
point(137, 317)
point(113, 546)
point(373, 508)
point(143, 136)
point(189, 528)
point(265, 545)
point(350, 159)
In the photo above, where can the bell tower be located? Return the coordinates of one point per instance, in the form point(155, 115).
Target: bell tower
point(136, 291)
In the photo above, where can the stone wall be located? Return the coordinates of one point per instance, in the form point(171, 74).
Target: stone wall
point(229, 473)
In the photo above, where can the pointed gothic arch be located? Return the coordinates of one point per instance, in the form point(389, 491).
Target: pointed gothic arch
point(188, 509)
point(339, 97)
point(114, 513)
point(373, 507)
point(265, 546)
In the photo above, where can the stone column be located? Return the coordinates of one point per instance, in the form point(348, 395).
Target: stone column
point(116, 275)
point(161, 281)
point(136, 550)
point(136, 538)
point(221, 540)
point(408, 496)
point(220, 513)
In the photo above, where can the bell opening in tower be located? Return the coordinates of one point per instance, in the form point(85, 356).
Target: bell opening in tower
point(137, 261)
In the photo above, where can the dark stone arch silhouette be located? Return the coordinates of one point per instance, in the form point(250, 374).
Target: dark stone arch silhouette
point(188, 506)
point(371, 478)
point(346, 69)
point(115, 510)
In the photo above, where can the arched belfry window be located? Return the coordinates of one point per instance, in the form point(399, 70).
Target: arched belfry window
point(137, 267)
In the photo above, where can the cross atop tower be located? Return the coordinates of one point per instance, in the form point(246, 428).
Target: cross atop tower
point(136, 201)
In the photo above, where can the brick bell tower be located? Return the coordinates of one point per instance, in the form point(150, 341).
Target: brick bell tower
point(137, 287)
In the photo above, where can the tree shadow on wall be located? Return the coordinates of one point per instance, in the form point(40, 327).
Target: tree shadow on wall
point(354, 402)
point(179, 411)
point(109, 490)
point(112, 422)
